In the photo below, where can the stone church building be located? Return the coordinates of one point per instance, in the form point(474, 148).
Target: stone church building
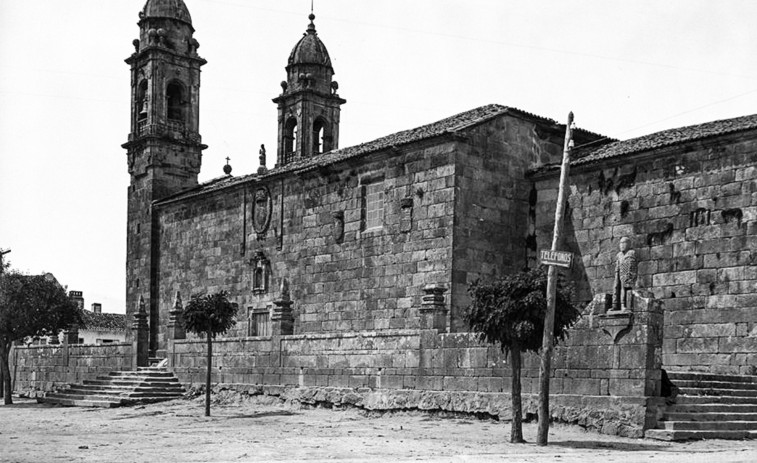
point(350, 265)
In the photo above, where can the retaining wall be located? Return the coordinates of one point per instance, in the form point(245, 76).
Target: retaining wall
point(38, 369)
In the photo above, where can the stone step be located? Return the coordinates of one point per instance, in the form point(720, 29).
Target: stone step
point(710, 407)
point(119, 389)
point(120, 382)
point(710, 425)
point(152, 368)
point(156, 395)
point(714, 399)
point(714, 416)
point(92, 387)
point(679, 375)
point(721, 392)
point(706, 384)
point(141, 374)
point(73, 395)
point(671, 435)
point(117, 394)
point(81, 403)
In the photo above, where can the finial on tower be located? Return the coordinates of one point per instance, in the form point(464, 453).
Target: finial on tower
point(311, 17)
point(227, 167)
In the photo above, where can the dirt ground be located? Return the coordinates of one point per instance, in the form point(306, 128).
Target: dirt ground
point(255, 430)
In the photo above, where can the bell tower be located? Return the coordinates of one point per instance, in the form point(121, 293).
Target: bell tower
point(309, 104)
point(164, 148)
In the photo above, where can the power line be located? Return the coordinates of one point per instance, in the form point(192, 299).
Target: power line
point(499, 42)
point(688, 111)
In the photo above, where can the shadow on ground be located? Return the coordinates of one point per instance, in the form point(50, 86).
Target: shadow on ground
point(622, 446)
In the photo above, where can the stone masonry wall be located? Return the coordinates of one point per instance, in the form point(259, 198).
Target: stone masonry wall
point(45, 368)
point(603, 378)
point(691, 214)
point(360, 280)
point(492, 201)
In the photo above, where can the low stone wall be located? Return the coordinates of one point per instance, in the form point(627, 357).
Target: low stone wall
point(606, 375)
point(37, 369)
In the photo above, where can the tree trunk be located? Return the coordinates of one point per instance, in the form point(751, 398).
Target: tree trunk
point(516, 428)
point(6, 373)
point(207, 377)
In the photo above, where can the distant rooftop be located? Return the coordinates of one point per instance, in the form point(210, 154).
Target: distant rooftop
point(103, 321)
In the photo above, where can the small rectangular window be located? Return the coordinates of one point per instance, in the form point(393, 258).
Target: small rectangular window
point(259, 322)
point(373, 205)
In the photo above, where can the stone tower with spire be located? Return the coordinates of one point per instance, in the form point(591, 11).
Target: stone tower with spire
point(164, 149)
point(309, 104)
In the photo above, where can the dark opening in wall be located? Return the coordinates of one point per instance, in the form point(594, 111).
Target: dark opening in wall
point(290, 139)
point(142, 101)
point(624, 208)
point(661, 237)
point(732, 215)
point(175, 101)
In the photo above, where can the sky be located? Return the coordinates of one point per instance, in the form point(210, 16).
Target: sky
point(625, 68)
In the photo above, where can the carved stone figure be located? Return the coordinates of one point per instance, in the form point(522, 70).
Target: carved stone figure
point(625, 276)
point(261, 158)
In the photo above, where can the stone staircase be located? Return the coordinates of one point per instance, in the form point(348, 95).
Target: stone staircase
point(710, 406)
point(147, 384)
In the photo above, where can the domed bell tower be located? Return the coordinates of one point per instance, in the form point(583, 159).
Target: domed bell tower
point(164, 149)
point(309, 104)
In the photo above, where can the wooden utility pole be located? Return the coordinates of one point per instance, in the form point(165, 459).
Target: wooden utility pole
point(549, 317)
point(2, 253)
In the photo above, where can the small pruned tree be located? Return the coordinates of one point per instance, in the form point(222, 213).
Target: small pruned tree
point(30, 306)
point(510, 312)
point(209, 315)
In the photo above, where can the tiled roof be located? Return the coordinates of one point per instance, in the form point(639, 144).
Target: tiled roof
point(103, 321)
point(665, 138)
point(450, 125)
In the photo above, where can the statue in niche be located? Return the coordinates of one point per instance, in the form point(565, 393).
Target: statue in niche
point(625, 276)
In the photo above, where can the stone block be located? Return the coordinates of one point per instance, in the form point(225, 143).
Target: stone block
point(633, 356)
point(627, 387)
point(675, 278)
point(697, 345)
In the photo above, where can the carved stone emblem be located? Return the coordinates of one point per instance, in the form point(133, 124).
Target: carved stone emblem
point(261, 211)
point(337, 229)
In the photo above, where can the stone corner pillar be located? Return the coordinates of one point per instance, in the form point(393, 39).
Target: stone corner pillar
point(140, 337)
point(636, 338)
point(70, 335)
point(282, 319)
point(433, 309)
point(175, 328)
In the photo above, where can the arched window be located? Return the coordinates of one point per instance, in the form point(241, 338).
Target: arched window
point(290, 139)
point(320, 139)
point(142, 101)
point(175, 101)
